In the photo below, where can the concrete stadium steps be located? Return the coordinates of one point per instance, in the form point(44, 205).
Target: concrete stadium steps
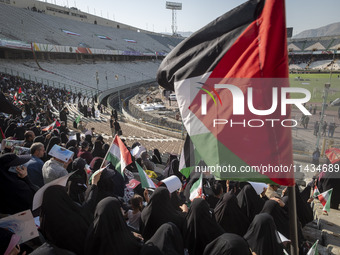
point(82, 76)
point(325, 228)
point(150, 140)
point(28, 26)
point(297, 66)
point(74, 113)
point(322, 64)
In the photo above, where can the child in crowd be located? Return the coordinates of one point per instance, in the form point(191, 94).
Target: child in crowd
point(134, 214)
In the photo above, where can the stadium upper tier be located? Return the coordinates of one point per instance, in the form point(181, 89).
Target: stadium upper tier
point(82, 75)
point(27, 26)
point(318, 45)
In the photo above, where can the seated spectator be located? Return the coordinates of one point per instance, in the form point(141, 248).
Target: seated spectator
point(249, 202)
point(217, 194)
point(96, 163)
point(97, 150)
point(156, 157)
point(229, 244)
point(63, 138)
point(58, 209)
point(134, 214)
point(167, 240)
point(29, 137)
point(271, 191)
point(229, 215)
point(146, 162)
point(35, 165)
point(90, 132)
point(109, 234)
point(54, 169)
point(159, 211)
point(54, 140)
point(19, 132)
point(84, 152)
point(105, 148)
point(200, 228)
point(76, 184)
point(62, 128)
point(82, 127)
point(16, 189)
point(262, 235)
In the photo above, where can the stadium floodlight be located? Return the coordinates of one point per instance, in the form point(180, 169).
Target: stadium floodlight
point(174, 7)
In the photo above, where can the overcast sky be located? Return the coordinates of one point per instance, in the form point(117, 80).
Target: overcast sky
point(152, 15)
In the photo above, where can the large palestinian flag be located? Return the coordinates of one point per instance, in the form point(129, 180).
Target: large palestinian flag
point(211, 73)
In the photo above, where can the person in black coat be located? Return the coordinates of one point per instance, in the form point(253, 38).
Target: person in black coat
point(166, 240)
point(109, 233)
point(229, 215)
point(16, 189)
point(262, 236)
point(200, 228)
point(117, 127)
point(63, 115)
point(228, 244)
point(159, 211)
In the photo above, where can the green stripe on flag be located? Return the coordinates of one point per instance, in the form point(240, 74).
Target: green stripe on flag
point(216, 154)
point(187, 171)
point(144, 179)
point(325, 199)
point(115, 162)
point(314, 249)
point(196, 190)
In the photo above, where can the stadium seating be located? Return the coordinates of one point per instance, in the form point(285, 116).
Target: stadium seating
point(320, 65)
point(83, 75)
point(28, 26)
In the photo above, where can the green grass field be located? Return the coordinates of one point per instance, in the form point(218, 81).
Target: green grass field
point(315, 83)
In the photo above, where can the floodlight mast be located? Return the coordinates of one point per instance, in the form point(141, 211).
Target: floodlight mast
point(174, 7)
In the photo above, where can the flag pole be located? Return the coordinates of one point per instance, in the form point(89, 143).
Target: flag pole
point(294, 249)
point(107, 153)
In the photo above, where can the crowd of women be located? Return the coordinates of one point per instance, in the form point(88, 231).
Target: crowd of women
point(104, 215)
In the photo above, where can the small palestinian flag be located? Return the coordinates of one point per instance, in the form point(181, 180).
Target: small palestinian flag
point(15, 97)
point(118, 155)
point(314, 249)
point(55, 124)
point(77, 120)
point(316, 192)
point(144, 178)
point(325, 199)
point(19, 91)
point(196, 190)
